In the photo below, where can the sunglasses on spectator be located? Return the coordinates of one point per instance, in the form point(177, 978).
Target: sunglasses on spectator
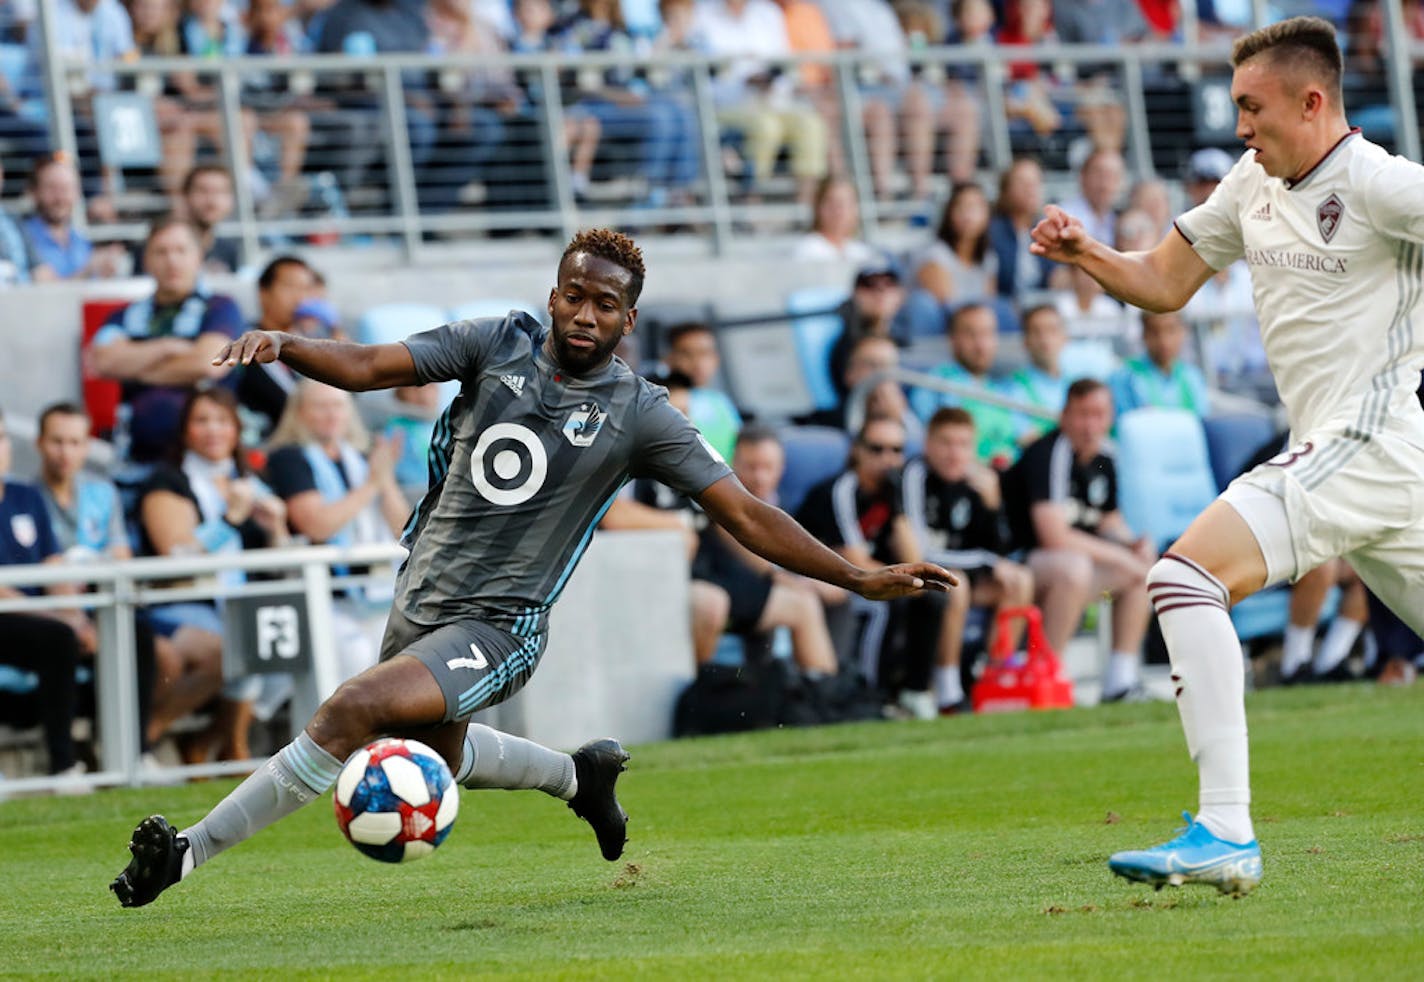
point(879, 448)
point(882, 281)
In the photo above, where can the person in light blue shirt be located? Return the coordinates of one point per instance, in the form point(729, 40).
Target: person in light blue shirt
point(1041, 382)
point(58, 250)
point(84, 511)
point(1160, 377)
point(974, 342)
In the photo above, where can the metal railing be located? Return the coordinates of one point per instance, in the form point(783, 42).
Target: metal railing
point(117, 589)
point(714, 207)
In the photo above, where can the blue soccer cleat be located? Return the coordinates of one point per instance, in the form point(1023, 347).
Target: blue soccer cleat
point(1194, 856)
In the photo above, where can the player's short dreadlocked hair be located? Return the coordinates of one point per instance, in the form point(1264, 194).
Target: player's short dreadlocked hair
point(616, 248)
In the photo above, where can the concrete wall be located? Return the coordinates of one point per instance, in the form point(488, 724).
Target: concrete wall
point(619, 650)
point(40, 325)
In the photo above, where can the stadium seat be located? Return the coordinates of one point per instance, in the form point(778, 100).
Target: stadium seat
point(389, 322)
point(813, 454)
point(816, 333)
point(1086, 358)
point(495, 308)
point(1231, 440)
point(1163, 472)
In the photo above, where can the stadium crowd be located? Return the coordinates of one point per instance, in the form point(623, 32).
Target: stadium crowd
point(1004, 471)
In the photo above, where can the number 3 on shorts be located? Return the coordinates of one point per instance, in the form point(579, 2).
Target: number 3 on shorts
point(1291, 455)
point(479, 662)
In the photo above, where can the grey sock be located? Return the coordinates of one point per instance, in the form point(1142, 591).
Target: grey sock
point(300, 772)
point(497, 760)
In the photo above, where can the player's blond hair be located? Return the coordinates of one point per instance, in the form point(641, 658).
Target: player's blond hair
point(1302, 45)
point(617, 248)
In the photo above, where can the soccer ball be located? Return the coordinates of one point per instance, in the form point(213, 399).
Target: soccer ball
point(396, 800)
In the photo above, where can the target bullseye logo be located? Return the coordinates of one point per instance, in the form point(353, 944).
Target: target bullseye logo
point(508, 464)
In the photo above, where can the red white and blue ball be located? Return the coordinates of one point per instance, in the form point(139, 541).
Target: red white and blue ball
point(396, 800)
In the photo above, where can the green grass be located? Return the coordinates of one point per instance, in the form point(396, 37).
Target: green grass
point(971, 847)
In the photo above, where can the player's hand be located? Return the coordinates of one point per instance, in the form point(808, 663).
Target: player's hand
point(904, 580)
point(252, 348)
point(1059, 236)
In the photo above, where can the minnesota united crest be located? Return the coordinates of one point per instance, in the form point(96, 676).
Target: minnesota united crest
point(584, 423)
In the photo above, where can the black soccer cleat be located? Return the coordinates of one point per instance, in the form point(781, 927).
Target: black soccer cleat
point(597, 765)
point(157, 863)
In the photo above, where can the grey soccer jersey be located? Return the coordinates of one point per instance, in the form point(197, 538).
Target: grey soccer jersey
point(523, 464)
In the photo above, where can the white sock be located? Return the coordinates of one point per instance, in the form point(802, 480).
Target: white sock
point(948, 687)
point(1209, 674)
point(1296, 649)
point(1335, 648)
point(1121, 673)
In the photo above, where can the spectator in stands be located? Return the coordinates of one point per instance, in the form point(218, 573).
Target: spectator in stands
point(692, 350)
point(1088, 312)
point(284, 286)
point(1033, 95)
point(512, 166)
point(1020, 202)
point(207, 203)
point(204, 501)
point(876, 308)
point(760, 597)
point(958, 266)
point(83, 33)
point(835, 227)
point(162, 346)
point(58, 250)
point(952, 503)
point(1160, 377)
point(974, 344)
point(1151, 197)
point(1110, 23)
point(1061, 502)
point(1225, 303)
point(339, 487)
point(1041, 382)
point(449, 140)
point(41, 650)
point(758, 98)
point(870, 355)
point(890, 94)
point(809, 33)
point(860, 514)
point(662, 130)
point(14, 253)
point(1204, 171)
point(88, 522)
point(1100, 186)
point(953, 96)
point(1301, 659)
point(535, 20)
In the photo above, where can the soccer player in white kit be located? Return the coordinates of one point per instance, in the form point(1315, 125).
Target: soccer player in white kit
point(1332, 228)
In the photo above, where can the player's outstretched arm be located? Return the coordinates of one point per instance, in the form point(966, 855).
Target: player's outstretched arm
point(776, 536)
point(344, 364)
point(1161, 279)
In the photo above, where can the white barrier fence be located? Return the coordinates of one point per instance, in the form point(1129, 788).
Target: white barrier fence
point(619, 649)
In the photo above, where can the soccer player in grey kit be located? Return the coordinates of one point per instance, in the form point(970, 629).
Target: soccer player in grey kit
point(547, 427)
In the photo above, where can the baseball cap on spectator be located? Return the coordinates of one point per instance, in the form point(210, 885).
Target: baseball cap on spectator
point(321, 311)
point(1208, 165)
point(881, 269)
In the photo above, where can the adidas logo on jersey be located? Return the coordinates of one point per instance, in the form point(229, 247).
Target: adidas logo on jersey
point(1262, 214)
point(515, 383)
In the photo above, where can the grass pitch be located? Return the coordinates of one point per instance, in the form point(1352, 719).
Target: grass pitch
point(970, 847)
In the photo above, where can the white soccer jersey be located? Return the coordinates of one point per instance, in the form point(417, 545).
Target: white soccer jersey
point(1336, 264)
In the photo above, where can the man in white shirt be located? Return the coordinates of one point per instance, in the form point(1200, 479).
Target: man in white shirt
point(1333, 230)
point(1100, 185)
point(756, 95)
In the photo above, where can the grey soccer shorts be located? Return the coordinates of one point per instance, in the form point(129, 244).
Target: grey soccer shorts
point(476, 664)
